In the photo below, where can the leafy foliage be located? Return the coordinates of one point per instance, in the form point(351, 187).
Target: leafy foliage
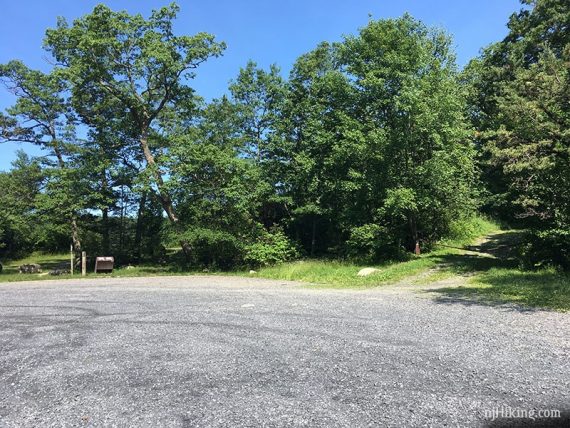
point(520, 103)
point(271, 248)
point(371, 145)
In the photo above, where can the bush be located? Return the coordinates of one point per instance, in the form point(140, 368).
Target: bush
point(546, 248)
point(465, 230)
point(370, 243)
point(214, 248)
point(269, 249)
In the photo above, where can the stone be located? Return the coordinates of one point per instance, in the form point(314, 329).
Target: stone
point(57, 272)
point(252, 272)
point(367, 271)
point(31, 268)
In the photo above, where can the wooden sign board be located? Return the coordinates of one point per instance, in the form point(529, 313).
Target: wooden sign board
point(104, 264)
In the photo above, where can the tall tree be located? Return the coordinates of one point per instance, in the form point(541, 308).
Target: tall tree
point(42, 116)
point(519, 102)
point(378, 141)
point(413, 104)
point(19, 222)
point(133, 66)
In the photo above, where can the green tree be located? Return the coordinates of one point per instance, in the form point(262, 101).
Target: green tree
point(519, 102)
point(377, 139)
point(411, 100)
point(42, 116)
point(128, 64)
point(218, 191)
point(20, 229)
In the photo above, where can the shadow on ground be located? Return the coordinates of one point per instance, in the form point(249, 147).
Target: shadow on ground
point(497, 280)
point(47, 262)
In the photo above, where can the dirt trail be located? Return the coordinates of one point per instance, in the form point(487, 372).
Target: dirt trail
point(492, 250)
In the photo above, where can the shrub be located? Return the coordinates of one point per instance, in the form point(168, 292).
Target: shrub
point(546, 248)
point(270, 248)
point(465, 230)
point(215, 248)
point(370, 243)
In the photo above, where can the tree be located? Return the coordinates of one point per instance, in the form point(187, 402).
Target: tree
point(378, 140)
point(131, 66)
point(520, 91)
point(258, 96)
point(218, 190)
point(324, 149)
point(411, 100)
point(20, 230)
point(42, 116)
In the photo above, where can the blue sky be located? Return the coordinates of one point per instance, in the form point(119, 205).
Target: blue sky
point(263, 30)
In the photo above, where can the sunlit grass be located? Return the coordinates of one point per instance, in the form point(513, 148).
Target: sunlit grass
point(344, 274)
point(495, 279)
point(544, 288)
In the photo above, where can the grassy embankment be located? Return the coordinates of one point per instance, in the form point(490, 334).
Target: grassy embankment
point(481, 258)
point(479, 250)
point(343, 274)
point(54, 261)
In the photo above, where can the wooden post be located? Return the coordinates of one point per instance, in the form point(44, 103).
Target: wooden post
point(83, 263)
point(417, 250)
point(71, 258)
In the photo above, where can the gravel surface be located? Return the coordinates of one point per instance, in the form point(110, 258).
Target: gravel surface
point(217, 351)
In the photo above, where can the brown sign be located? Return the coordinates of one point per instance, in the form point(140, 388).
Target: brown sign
point(104, 264)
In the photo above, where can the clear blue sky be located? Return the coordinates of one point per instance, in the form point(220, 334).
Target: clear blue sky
point(263, 30)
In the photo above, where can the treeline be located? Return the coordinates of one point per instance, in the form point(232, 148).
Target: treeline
point(371, 145)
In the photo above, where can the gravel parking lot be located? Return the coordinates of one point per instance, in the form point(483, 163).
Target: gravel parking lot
point(229, 351)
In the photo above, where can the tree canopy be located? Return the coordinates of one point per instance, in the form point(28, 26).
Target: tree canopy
point(371, 145)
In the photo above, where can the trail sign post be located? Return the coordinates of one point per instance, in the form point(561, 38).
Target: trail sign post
point(71, 258)
point(83, 263)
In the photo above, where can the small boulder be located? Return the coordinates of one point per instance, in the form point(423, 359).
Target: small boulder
point(252, 272)
point(31, 268)
point(57, 272)
point(367, 271)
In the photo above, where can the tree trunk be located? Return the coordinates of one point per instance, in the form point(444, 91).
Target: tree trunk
point(413, 231)
point(105, 216)
point(76, 242)
point(163, 196)
point(314, 236)
point(106, 243)
point(75, 235)
point(138, 230)
point(121, 223)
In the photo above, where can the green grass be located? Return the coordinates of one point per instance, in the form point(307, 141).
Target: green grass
point(51, 261)
point(545, 288)
point(47, 261)
point(490, 262)
point(465, 232)
point(344, 274)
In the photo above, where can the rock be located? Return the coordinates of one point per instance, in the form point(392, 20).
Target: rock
point(31, 268)
point(57, 272)
point(252, 272)
point(367, 271)
point(130, 267)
